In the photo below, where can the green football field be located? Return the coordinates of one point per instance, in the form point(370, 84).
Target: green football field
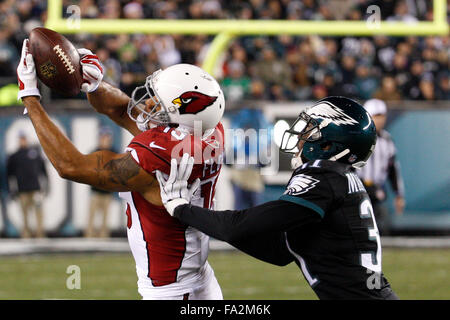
point(413, 273)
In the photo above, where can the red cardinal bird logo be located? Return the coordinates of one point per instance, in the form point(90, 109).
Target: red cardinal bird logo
point(193, 102)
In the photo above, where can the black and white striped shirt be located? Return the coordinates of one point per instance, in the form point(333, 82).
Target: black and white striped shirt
point(383, 165)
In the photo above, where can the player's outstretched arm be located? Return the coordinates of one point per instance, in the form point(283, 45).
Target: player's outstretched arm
point(103, 169)
point(105, 98)
point(113, 103)
point(229, 225)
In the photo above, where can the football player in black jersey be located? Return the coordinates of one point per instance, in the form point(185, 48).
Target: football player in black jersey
point(324, 220)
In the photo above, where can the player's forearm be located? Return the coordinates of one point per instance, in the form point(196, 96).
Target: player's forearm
point(109, 100)
point(234, 225)
point(268, 247)
point(59, 149)
point(112, 102)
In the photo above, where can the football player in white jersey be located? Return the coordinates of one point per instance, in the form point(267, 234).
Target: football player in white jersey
point(171, 257)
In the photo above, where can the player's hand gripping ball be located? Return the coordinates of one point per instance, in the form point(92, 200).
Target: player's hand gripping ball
point(26, 74)
point(92, 70)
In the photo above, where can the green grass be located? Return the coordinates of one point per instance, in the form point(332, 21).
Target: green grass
point(413, 273)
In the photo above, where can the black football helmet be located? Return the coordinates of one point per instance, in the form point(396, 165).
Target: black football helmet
point(334, 128)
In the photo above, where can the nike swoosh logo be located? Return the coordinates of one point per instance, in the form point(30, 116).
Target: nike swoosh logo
point(153, 145)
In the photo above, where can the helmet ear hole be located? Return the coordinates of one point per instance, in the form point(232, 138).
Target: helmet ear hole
point(325, 146)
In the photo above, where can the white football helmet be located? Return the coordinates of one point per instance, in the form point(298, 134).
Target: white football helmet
point(182, 94)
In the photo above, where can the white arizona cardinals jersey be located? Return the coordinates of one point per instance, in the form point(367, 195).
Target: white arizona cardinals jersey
point(169, 254)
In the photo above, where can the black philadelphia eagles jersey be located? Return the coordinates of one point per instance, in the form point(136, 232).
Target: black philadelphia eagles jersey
point(324, 222)
point(340, 257)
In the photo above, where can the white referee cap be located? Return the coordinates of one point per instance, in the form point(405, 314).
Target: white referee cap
point(375, 106)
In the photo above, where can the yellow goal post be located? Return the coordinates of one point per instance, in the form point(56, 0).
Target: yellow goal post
point(226, 30)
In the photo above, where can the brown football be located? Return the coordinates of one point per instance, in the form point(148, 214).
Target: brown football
point(57, 61)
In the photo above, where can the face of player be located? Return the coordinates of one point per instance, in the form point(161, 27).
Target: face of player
point(23, 142)
point(149, 104)
point(302, 139)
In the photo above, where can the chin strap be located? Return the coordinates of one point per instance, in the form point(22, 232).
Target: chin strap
point(144, 125)
point(339, 155)
point(296, 161)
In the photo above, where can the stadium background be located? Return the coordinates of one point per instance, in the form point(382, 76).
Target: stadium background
point(410, 72)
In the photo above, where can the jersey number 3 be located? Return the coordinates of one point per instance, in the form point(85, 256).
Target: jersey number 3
point(371, 260)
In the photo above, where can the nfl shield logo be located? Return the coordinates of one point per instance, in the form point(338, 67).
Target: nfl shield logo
point(48, 70)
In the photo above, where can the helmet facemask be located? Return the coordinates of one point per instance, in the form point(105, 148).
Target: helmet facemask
point(137, 109)
point(306, 129)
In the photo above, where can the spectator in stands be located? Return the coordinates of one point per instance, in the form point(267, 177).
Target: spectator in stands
point(257, 90)
point(133, 10)
point(236, 85)
point(402, 74)
point(385, 54)
point(364, 82)
point(28, 182)
point(166, 51)
point(273, 70)
point(100, 200)
point(331, 86)
point(401, 13)
point(426, 87)
point(348, 74)
point(111, 67)
point(411, 87)
point(388, 90)
point(285, 75)
point(8, 53)
point(133, 72)
point(443, 87)
point(319, 92)
point(381, 167)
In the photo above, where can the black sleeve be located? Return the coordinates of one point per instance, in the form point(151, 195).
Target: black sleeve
point(43, 168)
point(232, 226)
point(257, 231)
point(395, 177)
point(270, 247)
point(10, 167)
point(10, 173)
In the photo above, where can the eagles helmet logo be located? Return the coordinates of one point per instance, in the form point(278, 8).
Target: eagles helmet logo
point(193, 102)
point(300, 184)
point(329, 111)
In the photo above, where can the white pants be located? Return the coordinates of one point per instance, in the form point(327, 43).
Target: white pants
point(206, 289)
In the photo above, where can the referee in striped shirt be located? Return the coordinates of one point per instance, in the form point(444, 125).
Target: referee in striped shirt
point(380, 167)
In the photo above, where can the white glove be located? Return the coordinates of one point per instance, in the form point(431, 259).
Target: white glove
point(92, 70)
point(26, 74)
point(175, 190)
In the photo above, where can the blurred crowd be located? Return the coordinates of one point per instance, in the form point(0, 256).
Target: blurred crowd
point(271, 68)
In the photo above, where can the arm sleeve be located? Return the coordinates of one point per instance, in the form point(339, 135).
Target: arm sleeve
point(395, 177)
point(234, 225)
point(270, 247)
point(257, 231)
point(42, 167)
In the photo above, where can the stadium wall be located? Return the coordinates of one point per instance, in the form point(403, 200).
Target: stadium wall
point(420, 136)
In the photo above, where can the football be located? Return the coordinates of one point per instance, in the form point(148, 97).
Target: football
point(57, 61)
